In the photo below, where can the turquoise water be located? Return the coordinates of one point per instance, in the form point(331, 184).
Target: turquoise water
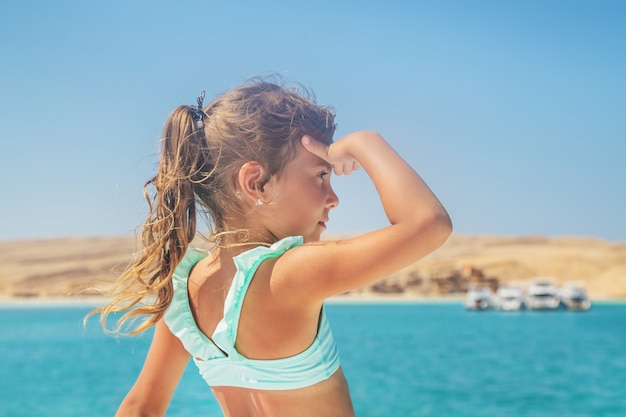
point(400, 360)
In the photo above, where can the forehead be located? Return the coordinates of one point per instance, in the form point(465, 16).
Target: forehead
point(306, 159)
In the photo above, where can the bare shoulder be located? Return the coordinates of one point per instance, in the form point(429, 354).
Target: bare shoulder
point(322, 269)
point(317, 260)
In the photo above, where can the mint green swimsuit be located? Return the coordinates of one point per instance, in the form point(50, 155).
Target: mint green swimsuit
point(217, 358)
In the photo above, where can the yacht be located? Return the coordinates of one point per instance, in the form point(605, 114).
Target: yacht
point(542, 295)
point(574, 297)
point(510, 298)
point(479, 298)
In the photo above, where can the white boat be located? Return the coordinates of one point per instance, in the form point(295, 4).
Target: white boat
point(542, 295)
point(479, 298)
point(510, 298)
point(574, 297)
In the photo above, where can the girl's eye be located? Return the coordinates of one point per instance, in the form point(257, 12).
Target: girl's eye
point(322, 174)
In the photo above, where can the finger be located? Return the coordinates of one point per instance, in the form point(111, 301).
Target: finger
point(315, 147)
point(338, 169)
point(346, 168)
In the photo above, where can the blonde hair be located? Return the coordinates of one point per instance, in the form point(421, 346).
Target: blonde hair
point(259, 121)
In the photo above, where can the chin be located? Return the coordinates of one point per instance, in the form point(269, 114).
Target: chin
point(311, 238)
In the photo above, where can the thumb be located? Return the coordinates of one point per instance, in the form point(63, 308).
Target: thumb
point(315, 147)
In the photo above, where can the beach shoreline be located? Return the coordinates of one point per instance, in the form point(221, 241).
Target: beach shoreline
point(341, 299)
point(93, 302)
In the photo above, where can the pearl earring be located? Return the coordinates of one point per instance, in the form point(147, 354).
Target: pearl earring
point(258, 202)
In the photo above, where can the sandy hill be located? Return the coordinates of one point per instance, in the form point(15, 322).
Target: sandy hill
point(73, 266)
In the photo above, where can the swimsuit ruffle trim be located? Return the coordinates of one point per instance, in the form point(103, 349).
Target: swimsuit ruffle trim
point(179, 317)
point(246, 263)
point(180, 320)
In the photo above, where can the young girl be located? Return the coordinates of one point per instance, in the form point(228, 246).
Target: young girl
point(258, 162)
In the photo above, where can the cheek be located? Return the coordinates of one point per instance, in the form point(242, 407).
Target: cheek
point(315, 196)
point(305, 207)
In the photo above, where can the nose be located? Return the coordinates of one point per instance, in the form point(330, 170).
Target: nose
point(332, 200)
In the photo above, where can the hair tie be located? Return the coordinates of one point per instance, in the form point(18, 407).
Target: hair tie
point(197, 113)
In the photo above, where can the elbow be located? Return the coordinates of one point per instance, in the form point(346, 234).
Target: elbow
point(441, 225)
point(436, 227)
point(447, 226)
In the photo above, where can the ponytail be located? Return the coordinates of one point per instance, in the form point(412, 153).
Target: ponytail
point(202, 152)
point(169, 227)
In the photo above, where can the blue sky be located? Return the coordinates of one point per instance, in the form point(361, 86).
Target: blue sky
point(513, 112)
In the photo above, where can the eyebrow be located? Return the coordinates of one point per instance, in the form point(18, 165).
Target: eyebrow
point(324, 165)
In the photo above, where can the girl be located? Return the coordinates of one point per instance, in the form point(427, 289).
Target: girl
point(258, 162)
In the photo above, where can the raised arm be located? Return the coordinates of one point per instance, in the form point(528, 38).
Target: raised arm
point(165, 363)
point(418, 223)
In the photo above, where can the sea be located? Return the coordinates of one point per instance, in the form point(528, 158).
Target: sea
point(400, 359)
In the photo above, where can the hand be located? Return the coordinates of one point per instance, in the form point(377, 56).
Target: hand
point(337, 155)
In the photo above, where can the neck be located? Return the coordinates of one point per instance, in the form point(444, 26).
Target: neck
point(244, 238)
point(245, 231)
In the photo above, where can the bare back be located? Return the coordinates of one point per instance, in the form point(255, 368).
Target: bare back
point(269, 328)
point(328, 398)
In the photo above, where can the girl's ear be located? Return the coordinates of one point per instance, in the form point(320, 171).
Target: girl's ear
point(252, 179)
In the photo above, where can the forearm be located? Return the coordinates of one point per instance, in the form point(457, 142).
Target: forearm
point(405, 196)
point(418, 222)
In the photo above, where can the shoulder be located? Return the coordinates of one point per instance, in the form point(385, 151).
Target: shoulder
point(306, 272)
point(318, 270)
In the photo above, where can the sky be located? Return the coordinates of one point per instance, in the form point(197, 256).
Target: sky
point(514, 112)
